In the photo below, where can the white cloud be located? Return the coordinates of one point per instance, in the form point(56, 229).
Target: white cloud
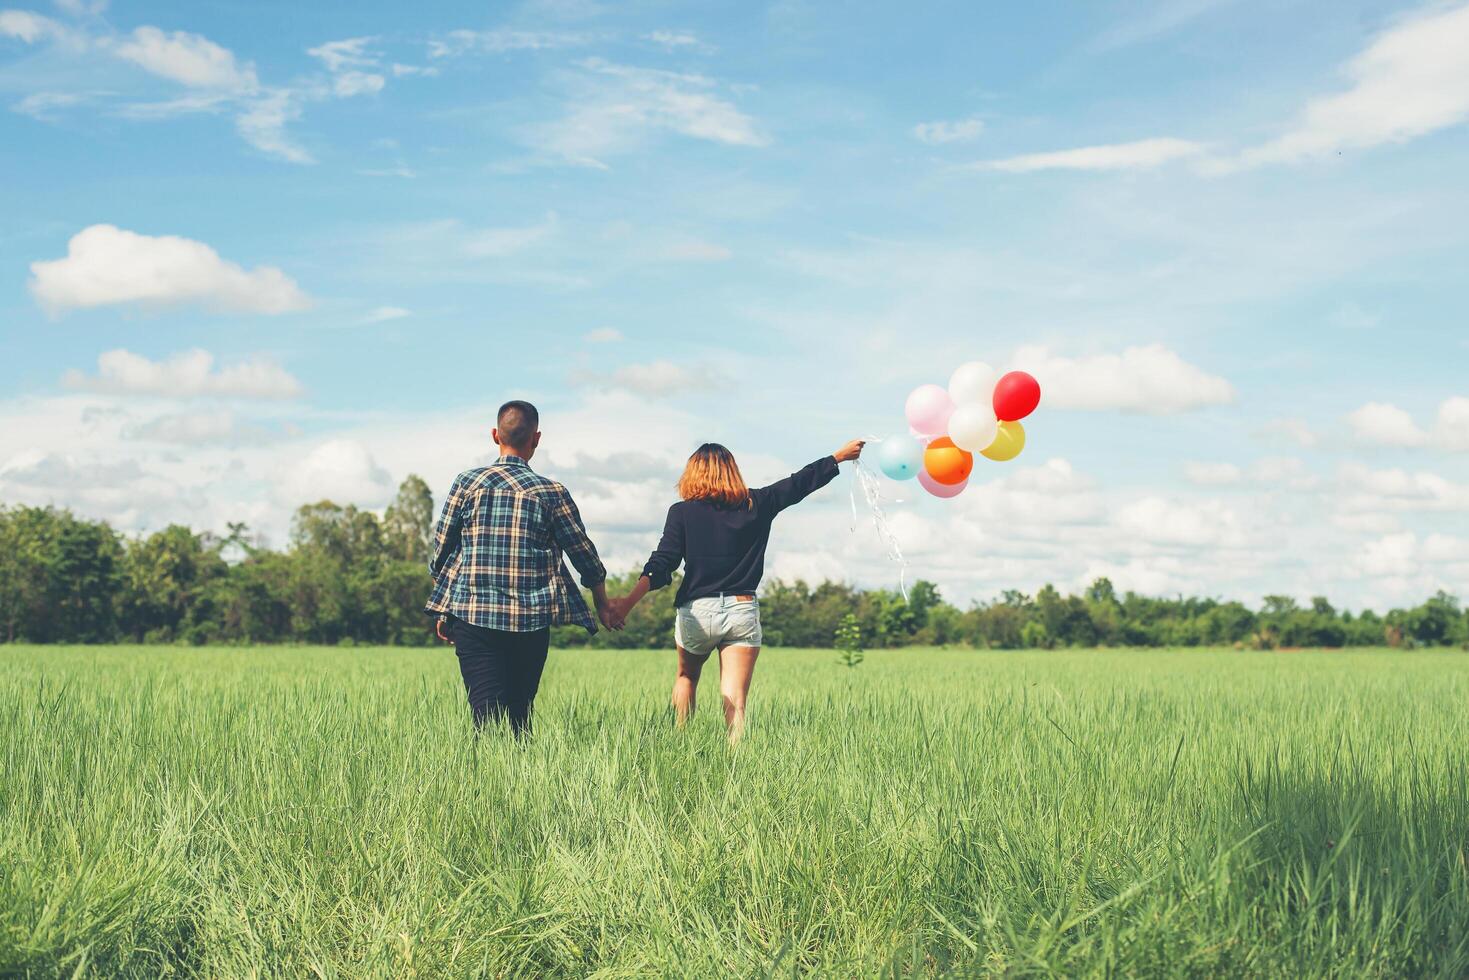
point(350, 83)
point(1380, 424)
point(401, 70)
point(98, 473)
point(694, 250)
point(617, 106)
point(340, 470)
point(462, 42)
point(1293, 432)
point(192, 429)
point(1151, 380)
point(263, 125)
point(1451, 430)
point(1211, 474)
point(188, 59)
point(1365, 490)
point(346, 60)
point(603, 335)
point(54, 471)
point(949, 131)
point(1157, 20)
point(1412, 80)
point(189, 374)
point(1207, 523)
point(653, 379)
point(500, 242)
point(1139, 155)
point(215, 77)
point(1287, 472)
point(1392, 554)
point(1409, 566)
point(1155, 575)
point(673, 40)
point(191, 102)
point(43, 105)
point(30, 28)
point(384, 313)
point(1365, 523)
point(106, 265)
point(138, 464)
point(345, 54)
point(1032, 500)
point(663, 378)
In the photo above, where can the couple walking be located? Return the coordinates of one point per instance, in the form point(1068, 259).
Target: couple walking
point(500, 585)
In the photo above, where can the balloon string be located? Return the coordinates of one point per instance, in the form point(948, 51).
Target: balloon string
point(871, 488)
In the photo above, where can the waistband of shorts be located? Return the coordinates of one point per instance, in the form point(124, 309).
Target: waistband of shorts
point(725, 599)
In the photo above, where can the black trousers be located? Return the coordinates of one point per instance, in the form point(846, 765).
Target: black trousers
point(501, 672)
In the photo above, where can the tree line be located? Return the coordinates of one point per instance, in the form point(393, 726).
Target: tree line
point(351, 576)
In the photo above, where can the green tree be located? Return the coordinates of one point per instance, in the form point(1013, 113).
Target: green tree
point(1035, 635)
point(63, 577)
point(23, 575)
point(408, 523)
point(163, 576)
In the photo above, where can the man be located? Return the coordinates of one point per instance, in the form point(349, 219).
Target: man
point(498, 576)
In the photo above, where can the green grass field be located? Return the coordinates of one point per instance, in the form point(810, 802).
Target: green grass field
point(307, 812)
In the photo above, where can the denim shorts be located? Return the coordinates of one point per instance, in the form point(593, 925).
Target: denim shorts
point(706, 625)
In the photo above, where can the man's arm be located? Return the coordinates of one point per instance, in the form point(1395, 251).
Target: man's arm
point(446, 534)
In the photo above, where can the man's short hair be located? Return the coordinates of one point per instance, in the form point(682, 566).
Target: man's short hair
point(517, 421)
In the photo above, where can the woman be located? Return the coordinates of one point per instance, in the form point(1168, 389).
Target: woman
point(719, 531)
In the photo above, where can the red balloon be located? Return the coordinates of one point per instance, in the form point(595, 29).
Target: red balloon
point(1016, 396)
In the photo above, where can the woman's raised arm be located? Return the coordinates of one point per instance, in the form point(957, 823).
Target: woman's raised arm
point(807, 480)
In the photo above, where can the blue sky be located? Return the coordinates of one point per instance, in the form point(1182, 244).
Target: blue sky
point(255, 254)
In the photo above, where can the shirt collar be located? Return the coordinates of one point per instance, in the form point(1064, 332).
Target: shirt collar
point(512, 460)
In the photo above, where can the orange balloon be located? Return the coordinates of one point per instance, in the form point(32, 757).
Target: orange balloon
point(946, 463)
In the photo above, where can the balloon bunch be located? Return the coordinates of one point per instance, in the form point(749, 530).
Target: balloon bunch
point(976, 414)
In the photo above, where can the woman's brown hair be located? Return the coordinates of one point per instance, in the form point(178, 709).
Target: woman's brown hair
point(713, 474)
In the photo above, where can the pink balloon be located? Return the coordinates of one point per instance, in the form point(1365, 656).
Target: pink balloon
point(938, 489)
point(928, 410)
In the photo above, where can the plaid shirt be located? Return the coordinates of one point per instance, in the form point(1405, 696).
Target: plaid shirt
point(497, 552)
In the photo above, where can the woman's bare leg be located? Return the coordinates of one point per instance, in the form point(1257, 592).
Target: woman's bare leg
point(685, 683)
point(736, 667)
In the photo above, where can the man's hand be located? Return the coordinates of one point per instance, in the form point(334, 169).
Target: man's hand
point(439, 625)
point(611, 614)
point(850, 451)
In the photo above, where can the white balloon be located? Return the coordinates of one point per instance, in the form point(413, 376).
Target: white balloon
point(973, 427)
point(973, 383)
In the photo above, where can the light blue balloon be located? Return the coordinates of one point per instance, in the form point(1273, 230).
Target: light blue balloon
point(900, 457)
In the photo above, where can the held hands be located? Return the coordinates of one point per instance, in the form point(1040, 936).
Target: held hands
point(612, 614)
point(850, 451)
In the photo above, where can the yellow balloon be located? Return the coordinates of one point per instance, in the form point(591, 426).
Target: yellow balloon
point(1008, 442)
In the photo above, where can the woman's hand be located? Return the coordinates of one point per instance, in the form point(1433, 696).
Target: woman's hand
point(851, 450)
point(611, 614)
